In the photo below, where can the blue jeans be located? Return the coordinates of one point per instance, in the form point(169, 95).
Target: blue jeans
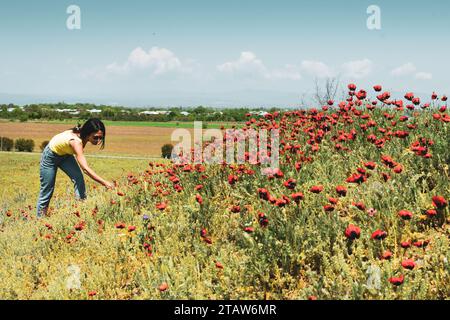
point(50, 162)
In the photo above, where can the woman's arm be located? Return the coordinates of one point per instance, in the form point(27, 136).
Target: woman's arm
point(81, 159)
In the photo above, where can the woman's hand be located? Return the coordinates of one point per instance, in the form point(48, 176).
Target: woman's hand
point(109, 185)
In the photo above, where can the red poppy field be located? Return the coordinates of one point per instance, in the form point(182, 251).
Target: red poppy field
point(358, 209)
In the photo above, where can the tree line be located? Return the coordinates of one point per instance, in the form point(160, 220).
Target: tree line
point(82, 111)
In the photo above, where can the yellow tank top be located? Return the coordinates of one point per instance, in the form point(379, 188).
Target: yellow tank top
point(60, 145)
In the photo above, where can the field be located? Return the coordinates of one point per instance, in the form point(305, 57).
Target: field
point(120, 140)
point(124, 138)
point(357, 210)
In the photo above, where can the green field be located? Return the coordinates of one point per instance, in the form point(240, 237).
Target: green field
point(169, 124)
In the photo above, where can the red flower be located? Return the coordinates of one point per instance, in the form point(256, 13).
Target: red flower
point(263, 221)
point(370, 165)
point(316, 189)
point(361, 94)
point(388, 161)
point(396, 281)
point(341, 190)
point(121, 194)
point(352, 232)
point(198, 187)
point(92, 293)
point(80, 226)
point(232, 179)
point(207, 240)
point(120, 225)
point(385, 176)
point(161, 206)
point(356, 178)
point(408, 264)
point(297, 196)
point(333, 200)
point(439, 202)
point(131, 228)
point(421, 244)
point(328, 208)
point(235, 209)
point(398, 168)
point(431, 213)
point(377, 88)
point(279, 173)
point(359, 205)
point(352, 87)
point(290, 183)
point(409, 96)
point(219, 265)
point(405, 214)
point(379, 235)
point(312, 298)
point(199, 198)
point(249, 229)
point(387, 255)
point(405, 244)
point(263, 193)
point(163, 287)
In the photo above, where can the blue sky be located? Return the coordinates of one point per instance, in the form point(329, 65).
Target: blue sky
point(218, 53)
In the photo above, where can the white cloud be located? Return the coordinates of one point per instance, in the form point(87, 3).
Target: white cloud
point(404, 70)
point(289, 72)
point(157, 61)
point(316, 68)
point(410, 69)
point(423, 76)
point(357, 69)
point(248, 65)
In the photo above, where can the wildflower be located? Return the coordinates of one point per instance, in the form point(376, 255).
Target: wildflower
point(120, 225)
point(371, 212)
point(316, 189)
point(439, 202)
point(405, 244)
point(290, 183)
point(341, 190)
point(405, 214)
point(408, 264)
point(379, 235)
point(163, 287)
point(199, 198)
point(396, 281)
point(352, 232)
point(248, 229)
point(161, 206)
point(232, 179)
point(387, 255)
point(263, 193)
point(297, 196)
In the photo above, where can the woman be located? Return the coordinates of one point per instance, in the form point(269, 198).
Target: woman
point(59, 153)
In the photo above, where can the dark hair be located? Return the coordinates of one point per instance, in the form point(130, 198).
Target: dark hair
point(90, 126)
